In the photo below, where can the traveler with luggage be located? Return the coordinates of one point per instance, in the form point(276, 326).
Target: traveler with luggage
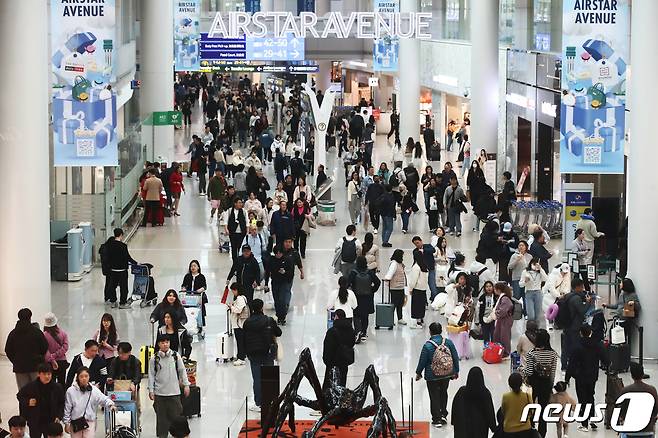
point(453, 201)
point(627, 308)
point(239, 314)
point(127, 368)
point(512, 406)
point(397, 280)
point(571, 314)
point(246, 271)
point(487, 302)
point(151, 189)
point(531, 280)
point(119, 260)
point(539, 372)
point(439, 364)
point(338, 348)
point(82, 401)
point(354, 198)
point(260, 333)
point(417, 287)
point(349, 248)
point(194, 281)
point(427, 252)
point(364, 283)
point(94, 363)
point(26, 348)
point(107, 338)
point(236, 226)
point(503, 315)
point(166, 382)
point(180, 428)
point(58, 346)
point(473, 414)
point(343, 299)
point(169, 304)
point(518, 263)
point(583, 366)
point(179, 339)
point(41, 401)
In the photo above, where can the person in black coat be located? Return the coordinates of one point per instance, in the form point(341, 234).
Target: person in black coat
point(97, 366)
point(195, 281)
point(387, 212)
point(473, 414)
point(282, 226)
point(510, 244)
point(490, 245)
point(537, 249)
point(125, 367)
point(25, 347)
point(41, 402)
point(364, 296)
point(246, 271)
point(578, 303)
point(119, 260)
point(236, 226)
point(412, 179)
point(373, 193)
point(169, 304)
point(338, 349)
point(506, 196)
point(476, 185)
point(584, 367)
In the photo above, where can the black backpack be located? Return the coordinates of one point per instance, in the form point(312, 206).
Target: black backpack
point(563, 318)
point(473, 281)
point(348, 251)
point(362, 283)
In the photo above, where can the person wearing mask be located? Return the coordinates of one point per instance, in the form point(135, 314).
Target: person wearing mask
point(343, 299)
point(152, 188)
point(583, 366)
point(418, 279)
point(531, 280)
point(502, 314)
point(25, 347)
point(260, 333)
point(539, 372)
point(473, 414)
point(239, 314)
point(282, 226)
point(169, 304)
point(476, 186)
point(487, 302)
point(179, 340)
point(58, 346)
point(584, 253)
point(236, 226)
point(95, 364)
point(453, 201)
point(434, 206)
point(627, 308)
point(437, 386)
point(587, 224)
point(166, 383)
point(364, 283)
point(387, 212)
point(512, 407)
point(246, 271)
point(372, 198)
point(83, 399)
point(517, 264)
point(338, 349)
point(125, 367)
point(282, 272)
point(41, 401)
point(195, 282)
point(107, 338)
point(349, 247)
point(637, 374)
point(119, 260)
point(537, 249)
point(510, 242)
point(371, 252)
point(578, 302)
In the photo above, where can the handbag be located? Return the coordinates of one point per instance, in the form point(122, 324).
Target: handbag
point(629, 310)
point(617, 334)
point(434, 205)
point(80, 424)
point(122, 385)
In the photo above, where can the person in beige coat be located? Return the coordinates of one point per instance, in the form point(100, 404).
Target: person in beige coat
point(152, 189)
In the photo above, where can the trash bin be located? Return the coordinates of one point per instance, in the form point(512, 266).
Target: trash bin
point(326, 212)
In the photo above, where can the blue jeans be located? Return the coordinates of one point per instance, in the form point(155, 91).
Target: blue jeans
point(465, 165)
point(519, 293)
point(431, 279)
point(255, 362)
point(454, 220)
point(281, 292)
point(534, 299)
point(387, 228)
point(405, 220)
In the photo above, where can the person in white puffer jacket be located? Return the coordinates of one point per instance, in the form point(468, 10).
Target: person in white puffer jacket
point(557, 285)
point(82, 401)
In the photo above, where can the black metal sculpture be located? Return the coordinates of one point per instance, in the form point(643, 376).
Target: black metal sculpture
point(339, 405)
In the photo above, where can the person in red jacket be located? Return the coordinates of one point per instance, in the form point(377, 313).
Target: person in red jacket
point(176, 186)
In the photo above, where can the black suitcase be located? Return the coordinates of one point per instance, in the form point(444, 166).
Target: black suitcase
point(385, 311)
point(619, 357)
point(613, 387)
point(192, 403)
point(434, 152)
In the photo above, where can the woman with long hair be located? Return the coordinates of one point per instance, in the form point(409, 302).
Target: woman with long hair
point(418, 278)
point(354, 197)
point(82, 402)
point(176, 186)
point(58, 346)
point(364, 283)
point(343, 298)
point(179, 340)
point(301, 213)
point(370, 251)
point(473, 414)
point(170, 303)
point(475, 183)
point(502, 314)
point(458, 265)
point(397, 280)
point(531, 280)
point(194, 281)
point(107, 338)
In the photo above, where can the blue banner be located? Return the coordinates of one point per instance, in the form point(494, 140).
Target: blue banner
point(595, 50)
point(386, 49)
point(286, 48)
point(84, 105)
point(186, 35)
point(305, 6)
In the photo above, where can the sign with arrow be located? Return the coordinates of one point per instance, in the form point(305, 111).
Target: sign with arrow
point(288, 48)
point(303, 69)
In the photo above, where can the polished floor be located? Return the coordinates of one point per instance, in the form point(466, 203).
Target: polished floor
point(226, 388)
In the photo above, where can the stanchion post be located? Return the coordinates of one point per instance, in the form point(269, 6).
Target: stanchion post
point(402, 398)
point(246, 416)
point(640, 329)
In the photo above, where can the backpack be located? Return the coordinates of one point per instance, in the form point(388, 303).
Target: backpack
point(348, 251)
point(362, 283)
point(442, 365)
point(563, 318)
point(473, 281)
point(517, 311)
point(542, 370)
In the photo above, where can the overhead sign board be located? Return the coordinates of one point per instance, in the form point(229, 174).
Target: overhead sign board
point(287, 48)
point(222, 48)
point(303, 69)
point(373, 81)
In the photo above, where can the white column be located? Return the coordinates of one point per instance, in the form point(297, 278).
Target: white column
point(642, 184)
point(323, 77)
point(484, 75)
point(266, 5)
point(24, 233)
point(157, 70)
point(408, 72)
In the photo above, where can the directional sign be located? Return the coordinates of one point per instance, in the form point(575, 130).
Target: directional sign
point(222, 48)
point(286, 48)
point(303, 69)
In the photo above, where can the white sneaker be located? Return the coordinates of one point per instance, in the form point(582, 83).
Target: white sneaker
point(210, 220)
point(254, 408)
point(402, 322)
point(238, 363)
point(375, 231)
point(583, 428)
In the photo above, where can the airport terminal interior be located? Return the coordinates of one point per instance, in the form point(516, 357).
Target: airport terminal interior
point(510, 130)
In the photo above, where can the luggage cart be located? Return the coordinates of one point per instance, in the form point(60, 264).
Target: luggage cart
point(193, 304)
point(123, 403)
point(143, 285)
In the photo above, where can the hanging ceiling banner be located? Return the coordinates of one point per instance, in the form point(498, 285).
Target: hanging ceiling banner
point(386, 47)
point(186, 35)
point(83, 41)
point(595, 49)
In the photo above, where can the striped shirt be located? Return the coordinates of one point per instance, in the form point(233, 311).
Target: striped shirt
point(537, 357)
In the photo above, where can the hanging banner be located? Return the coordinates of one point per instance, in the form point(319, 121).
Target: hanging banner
point(576, 197)
point(186, 35)
point(84, 106)
point(385, 50)
point(595, 49)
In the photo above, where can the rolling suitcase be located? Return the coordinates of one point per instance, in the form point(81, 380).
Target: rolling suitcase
point(146, 352)
point(331, 314)
point(192, 403)
point(619, 357)
point(613, 386)
point(434, 152)
point(385, 312)
point(225, 345)
point(515, 362)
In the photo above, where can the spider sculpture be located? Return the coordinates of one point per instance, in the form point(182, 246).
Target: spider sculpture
point(339, 405)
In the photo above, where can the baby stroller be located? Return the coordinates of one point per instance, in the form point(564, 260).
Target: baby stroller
point(144, 285)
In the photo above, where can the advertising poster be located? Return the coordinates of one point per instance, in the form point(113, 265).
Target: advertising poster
point(576, 198)
point(186, 35)
point(84, 105)
point(595, 50)
point(385, 50)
